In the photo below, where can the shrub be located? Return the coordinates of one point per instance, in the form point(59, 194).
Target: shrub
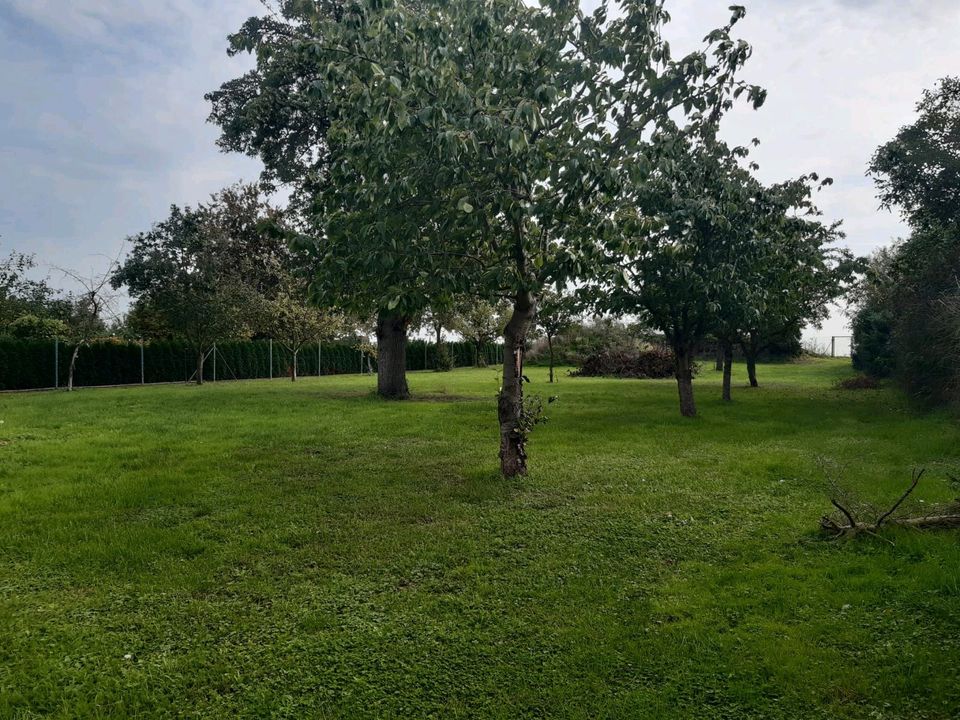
point(628, 363)
point(859, 382)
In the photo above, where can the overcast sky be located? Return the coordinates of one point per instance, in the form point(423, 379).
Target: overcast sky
point(102, 117)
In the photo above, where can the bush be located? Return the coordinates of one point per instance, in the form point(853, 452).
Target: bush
point(872, 342)
point(627, 363)
point(31, 327)
point(859, 382)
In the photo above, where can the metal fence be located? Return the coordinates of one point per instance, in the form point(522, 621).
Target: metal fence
point(44, 364)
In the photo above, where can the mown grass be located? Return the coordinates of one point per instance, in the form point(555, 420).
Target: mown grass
point(265, 549)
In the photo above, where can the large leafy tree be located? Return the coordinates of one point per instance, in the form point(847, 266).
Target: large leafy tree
point(681, 256)
point(202, 273)
point(278, 113)
point(487, 144)
point(913, 295)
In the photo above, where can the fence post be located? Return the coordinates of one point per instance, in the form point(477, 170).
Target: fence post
point(56, 363)
point(271, 358)
point(319, 358)
point(214, 362)
point(143, 376)
point(833, 346)
point(361, 362)
point(425, 355)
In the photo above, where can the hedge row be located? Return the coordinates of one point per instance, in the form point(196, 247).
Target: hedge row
point(30, 364)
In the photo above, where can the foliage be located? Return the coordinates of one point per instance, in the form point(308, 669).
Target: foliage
point(202, 273)
point(650, 362)
point(907, 319)
point(36, 328)
point(480, 322)
point(20, 295)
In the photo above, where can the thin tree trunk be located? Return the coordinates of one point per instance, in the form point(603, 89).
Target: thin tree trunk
point(513, 453)
point(481, 356)
point(550, 346)
point(719, 364)
point(293, 370)
point(439, 330)
point(751, 352)
point(727, 350)
point(684, 372)
point(392, 356)
point(73, 364)
point(200, 359)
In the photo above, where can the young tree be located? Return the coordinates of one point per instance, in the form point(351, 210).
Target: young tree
point(556, 313)
point(481, 323)
point(295, 324)
point(503, 136)
point(95, 300)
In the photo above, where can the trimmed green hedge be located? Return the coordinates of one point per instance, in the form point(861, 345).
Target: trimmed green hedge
point(33, 364)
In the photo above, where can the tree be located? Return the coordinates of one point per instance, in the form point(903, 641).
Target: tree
point(37, 328)
point(179, 274)
point(436, 318)
point(556, 313)
point(909, 304)
point(295, 324)
point(20, 295)
point(486, 143)
point(89, 307)
point(678, 261)
point(481, 323)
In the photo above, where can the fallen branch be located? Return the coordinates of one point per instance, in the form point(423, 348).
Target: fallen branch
point(944, 517)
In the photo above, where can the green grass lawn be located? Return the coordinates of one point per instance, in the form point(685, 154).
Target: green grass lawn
point(265, 549)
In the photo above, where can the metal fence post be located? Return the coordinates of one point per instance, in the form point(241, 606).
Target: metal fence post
point(143, 376)
point(271, 358)
point(214, 362)
point(319, 358)
point(361, 362)
point(56, 363)
point(424, 354)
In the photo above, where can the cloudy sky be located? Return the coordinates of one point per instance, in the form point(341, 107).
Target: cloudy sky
point(102, 117)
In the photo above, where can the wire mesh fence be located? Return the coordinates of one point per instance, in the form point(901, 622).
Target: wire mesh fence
point(43, 364)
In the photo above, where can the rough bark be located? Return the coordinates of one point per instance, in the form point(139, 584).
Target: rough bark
point(727, 351)
point(392, 356)
point(201, 356)
point(684, 373)
point(718, 366)
point(550, 347)
point(513, 455)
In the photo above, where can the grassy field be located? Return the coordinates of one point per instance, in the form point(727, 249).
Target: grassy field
point(265, 549)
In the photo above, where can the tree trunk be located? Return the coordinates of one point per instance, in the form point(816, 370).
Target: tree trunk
point(550, 347)
point(719, 364)
point(73, 364)
point(439, 330)
point(513, 453)
point(684, 371)
point(293, 370)
point(481, 356)
point(392, 356)
point(750, 351)
point(727, 350)
point(200, 359)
